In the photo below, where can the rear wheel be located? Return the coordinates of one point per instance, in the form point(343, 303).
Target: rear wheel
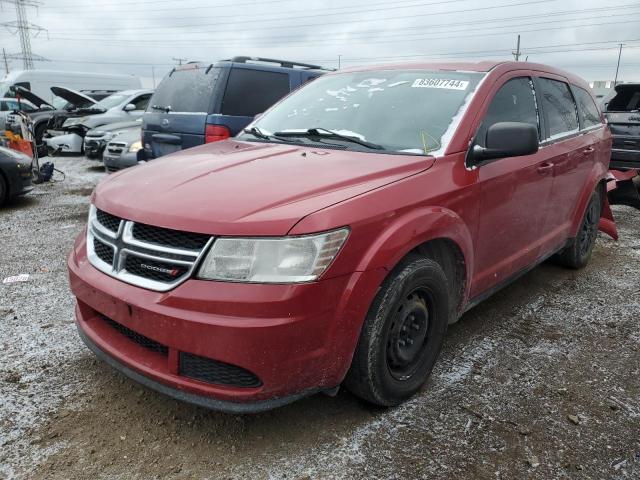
point(577, 254)
point(402, 334)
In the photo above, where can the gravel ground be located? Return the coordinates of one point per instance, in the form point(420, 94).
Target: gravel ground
point(540, 381)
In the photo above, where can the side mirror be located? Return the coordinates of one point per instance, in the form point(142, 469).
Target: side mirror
point(129, 107)
point(507, 139)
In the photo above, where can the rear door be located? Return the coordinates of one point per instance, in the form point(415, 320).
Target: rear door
point(515, 192)
point(177, 113)
point(249, 92)
point(570, 150)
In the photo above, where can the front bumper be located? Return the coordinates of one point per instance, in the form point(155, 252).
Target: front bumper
point(113, 163)
point(623, 159)
point(94, 147)
point(67, 143)
point(296, 339)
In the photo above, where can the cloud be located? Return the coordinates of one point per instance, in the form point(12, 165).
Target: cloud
point(122, 36)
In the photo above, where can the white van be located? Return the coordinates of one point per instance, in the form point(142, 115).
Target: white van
point(41, 81)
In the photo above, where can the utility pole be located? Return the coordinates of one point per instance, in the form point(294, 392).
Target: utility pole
point(516, 54)
point(179, 60)
point(23, 28)
point(615, 82)
point(339, 61)
point(6, 63)
point(153, 75)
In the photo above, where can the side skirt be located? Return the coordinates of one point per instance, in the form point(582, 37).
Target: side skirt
point(483, 296)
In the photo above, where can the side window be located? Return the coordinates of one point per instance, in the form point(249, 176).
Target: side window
point(3, 106)
point(142, 101)
point(250, 92)
point(514, 102)
point(589, 115)
point(559, 107)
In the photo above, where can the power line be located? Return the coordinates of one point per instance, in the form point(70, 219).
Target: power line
point(23, 28)
point(234, 26)
point(349, 41)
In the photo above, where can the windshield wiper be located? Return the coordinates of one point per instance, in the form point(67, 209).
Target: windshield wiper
point(256, 132)
point(326, 133)
point(166, 109)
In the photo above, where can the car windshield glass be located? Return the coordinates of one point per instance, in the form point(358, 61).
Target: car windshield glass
point(186, 90)
point(110, 102)
point(407, 111)
point(626, 99)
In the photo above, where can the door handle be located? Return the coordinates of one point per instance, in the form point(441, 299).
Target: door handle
point(545, 168)
point(589, 150)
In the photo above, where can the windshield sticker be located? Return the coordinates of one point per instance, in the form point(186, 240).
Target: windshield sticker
point(440, 83)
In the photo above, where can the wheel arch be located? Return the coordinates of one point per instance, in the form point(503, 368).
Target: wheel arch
point(597, 180)
point(437, 233)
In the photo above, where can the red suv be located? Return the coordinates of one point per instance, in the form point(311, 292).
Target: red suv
point(336, 238)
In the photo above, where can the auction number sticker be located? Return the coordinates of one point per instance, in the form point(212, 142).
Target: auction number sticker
point(440, 83)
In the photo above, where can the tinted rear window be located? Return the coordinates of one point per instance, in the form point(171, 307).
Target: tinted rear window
point(626, 99)
point(250, 92)
point(559, 106)
point(589, 115)
point(188, 90)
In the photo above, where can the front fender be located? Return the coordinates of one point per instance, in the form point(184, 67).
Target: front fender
point(413, 229)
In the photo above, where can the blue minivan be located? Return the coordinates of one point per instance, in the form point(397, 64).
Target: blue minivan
point(198, 103)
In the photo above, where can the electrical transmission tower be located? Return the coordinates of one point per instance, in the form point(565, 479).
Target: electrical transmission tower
point(24, 29)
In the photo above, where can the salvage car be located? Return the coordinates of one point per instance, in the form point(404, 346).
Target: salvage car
point(122, 106)
point(623, 116)
point(334, 241)
point(61, 108)
point(95, 140)
point(201, 103)
point(15, 174)
point(9, 105)
point(122, 151)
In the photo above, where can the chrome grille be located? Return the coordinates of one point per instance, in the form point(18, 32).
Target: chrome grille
point(160, 260)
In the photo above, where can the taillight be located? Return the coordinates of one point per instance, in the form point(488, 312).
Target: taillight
point(215, 133)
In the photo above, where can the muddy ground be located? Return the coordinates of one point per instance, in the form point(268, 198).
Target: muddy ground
point(540, 381)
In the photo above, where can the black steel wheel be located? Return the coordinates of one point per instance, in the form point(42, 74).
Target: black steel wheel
point(402, 334)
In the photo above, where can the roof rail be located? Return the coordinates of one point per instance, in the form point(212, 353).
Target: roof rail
point(283, 63)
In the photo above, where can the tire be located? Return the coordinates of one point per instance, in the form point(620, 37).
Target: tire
point(4, 190)
point(402, 334)
point(577, 254)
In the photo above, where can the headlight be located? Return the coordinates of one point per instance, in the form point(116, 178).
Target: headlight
point(135, 146)
point(73, 121)
point(272, 260)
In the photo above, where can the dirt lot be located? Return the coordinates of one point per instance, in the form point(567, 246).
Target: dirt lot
point(540, 381)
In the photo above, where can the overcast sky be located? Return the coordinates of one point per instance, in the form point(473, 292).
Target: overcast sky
point(126, 36)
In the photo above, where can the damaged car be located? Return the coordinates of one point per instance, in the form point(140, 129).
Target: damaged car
point(122, 151)
point(334, 240)
point(622, 111)
point(96, 140)
point(68, 136)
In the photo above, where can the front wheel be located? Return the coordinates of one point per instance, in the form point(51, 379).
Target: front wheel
point(402, 334)
point(4, 190)
point(578, 253)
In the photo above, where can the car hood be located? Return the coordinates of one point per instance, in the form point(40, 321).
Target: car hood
point(246, 188)
point(72, 96)
point(127, 135)
point(113, 127)
point(33, 98)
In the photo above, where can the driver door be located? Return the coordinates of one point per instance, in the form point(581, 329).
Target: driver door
point(514, 193)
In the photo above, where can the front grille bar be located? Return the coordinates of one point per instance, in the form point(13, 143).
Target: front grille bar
point(125, 246)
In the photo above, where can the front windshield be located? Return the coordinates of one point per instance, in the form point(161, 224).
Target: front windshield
point(110, 102)
point(401, 110)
